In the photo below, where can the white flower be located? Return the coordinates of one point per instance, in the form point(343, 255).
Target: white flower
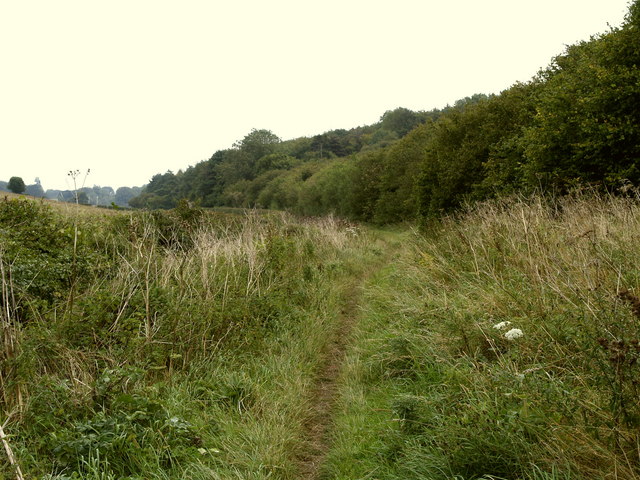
point(513, 334)
point(501, 325)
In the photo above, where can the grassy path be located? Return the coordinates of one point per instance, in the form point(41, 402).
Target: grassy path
point(324, 393)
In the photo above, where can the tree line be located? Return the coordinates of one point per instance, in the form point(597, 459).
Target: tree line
point(96, 195)
point(575, 123)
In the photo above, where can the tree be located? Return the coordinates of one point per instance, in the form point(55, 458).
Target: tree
point(282, 191)
point(276, 161)
point(457, 149)
point(16, 185)
point(239, 163)
point(586, 123)
point(401, 167)
point(365, 184)
point(83, 198)
point(123, 195)
point(401, 121)
point(258, 143)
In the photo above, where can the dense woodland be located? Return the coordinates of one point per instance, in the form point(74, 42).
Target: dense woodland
point(576, 122)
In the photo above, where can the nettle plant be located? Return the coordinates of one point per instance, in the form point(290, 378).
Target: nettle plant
point(128, 429)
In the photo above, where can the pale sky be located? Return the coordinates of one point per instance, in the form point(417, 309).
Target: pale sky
point(131, 88)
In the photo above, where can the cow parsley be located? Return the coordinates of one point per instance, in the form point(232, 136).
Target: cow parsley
point(513, 334)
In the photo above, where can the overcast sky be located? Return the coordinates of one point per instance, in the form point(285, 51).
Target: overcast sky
point(131, 88)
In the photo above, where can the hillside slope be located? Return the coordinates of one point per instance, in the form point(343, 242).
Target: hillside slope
point(576, 123)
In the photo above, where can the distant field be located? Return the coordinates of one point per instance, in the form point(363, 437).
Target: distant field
point(63, 207)
point(92, 209)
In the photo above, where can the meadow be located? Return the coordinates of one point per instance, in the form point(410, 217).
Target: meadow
point(501, 342)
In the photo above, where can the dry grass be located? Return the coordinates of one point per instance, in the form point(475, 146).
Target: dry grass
point(566, 273)
point(228, 314)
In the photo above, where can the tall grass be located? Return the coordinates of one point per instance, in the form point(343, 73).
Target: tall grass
point(441, 386)
point(189, 346)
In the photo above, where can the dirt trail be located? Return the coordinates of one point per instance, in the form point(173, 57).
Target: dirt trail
point(323, 394)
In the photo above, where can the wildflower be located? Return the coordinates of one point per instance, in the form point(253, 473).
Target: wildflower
point(501, 325)
point(513, 334)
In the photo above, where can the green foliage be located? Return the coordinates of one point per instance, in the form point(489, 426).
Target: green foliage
point(576, 123)
point(439, 386)
point(509, 114)
point(276, 161)
point(365, 189)
point(190, 350)
point(336, 143)
point(124, 194)
point(160, 192)
point(186, 346)
point(128, 433)
point(400, 121)
point(16, 185)
point(242, 176)
point(585, 127)
point(328, 190)
point(257, 144)
point(470, 151)
point(402, 165)
point(281, 192)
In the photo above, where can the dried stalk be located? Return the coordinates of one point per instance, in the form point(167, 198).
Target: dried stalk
point(9, 335)
point(10, 455)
